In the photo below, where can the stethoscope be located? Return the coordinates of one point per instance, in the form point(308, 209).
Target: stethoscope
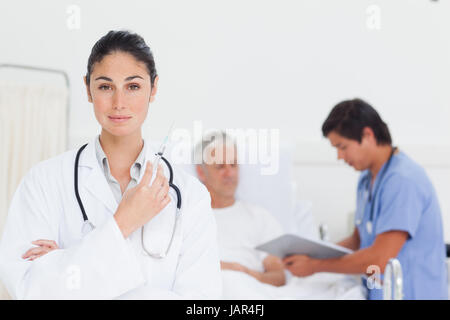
point(89, 226)
point(369, 198)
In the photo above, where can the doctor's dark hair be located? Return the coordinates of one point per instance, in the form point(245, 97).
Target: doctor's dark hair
point(123, 41)
point(349, 118)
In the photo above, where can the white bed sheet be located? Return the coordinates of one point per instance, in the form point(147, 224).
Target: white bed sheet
point(321, 286)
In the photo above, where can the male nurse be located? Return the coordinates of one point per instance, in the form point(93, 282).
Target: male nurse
point(397, 213)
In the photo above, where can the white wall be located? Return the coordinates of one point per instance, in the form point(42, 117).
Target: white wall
point(266, 64)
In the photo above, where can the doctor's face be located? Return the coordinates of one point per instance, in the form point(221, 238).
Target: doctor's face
point(220, 173)
point(355, 154)
point(120, 90)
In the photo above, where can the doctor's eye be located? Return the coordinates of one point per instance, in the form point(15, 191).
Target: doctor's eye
point(104, 87)
point(133, 86)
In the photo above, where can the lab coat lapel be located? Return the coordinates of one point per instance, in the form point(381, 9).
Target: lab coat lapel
point(95, 181)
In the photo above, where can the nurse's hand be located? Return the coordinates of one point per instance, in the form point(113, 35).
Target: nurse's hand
point(43, 247)
point(300, 265)
point(141, 203)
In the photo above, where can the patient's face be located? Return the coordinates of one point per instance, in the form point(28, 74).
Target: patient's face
point(355, 154)
point(120, 86)
point(221, 172)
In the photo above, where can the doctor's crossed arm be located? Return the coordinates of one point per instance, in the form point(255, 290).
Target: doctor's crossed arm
point(43, 246)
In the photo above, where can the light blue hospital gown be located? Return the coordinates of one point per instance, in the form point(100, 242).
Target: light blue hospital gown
point(407, 201)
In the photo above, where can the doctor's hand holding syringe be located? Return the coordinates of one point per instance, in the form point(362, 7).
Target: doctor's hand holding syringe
point(140, 204)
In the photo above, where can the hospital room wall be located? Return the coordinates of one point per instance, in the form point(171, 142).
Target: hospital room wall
point(266, 64)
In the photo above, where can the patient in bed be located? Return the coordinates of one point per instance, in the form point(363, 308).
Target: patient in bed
point(241, 226)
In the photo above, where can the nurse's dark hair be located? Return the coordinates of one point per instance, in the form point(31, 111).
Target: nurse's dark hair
point(349, 118)
point(123, 41)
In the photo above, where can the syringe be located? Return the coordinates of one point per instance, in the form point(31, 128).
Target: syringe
point(160, 153)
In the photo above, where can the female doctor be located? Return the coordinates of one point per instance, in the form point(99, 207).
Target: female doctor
point(123, 237)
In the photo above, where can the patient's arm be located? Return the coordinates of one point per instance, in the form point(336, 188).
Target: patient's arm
point(352, 242)
point(235, 266)
point(273, 270)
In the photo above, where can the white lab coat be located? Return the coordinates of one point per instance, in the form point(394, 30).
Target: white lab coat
point(102, 264)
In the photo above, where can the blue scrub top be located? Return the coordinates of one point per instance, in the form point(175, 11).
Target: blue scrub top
point(407, 201)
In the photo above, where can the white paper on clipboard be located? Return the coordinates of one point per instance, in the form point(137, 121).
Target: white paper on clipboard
point(290, 244)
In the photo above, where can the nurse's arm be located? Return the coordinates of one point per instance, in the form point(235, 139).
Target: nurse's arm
point(386, 246)
point(353, 242)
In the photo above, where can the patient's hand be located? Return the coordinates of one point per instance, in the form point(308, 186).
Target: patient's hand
point(300, 265)
point(44, 247)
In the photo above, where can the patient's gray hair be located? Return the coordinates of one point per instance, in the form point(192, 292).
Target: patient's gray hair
point(211, 141)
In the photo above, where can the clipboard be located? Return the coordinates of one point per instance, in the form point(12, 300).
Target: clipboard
point(290, 244)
